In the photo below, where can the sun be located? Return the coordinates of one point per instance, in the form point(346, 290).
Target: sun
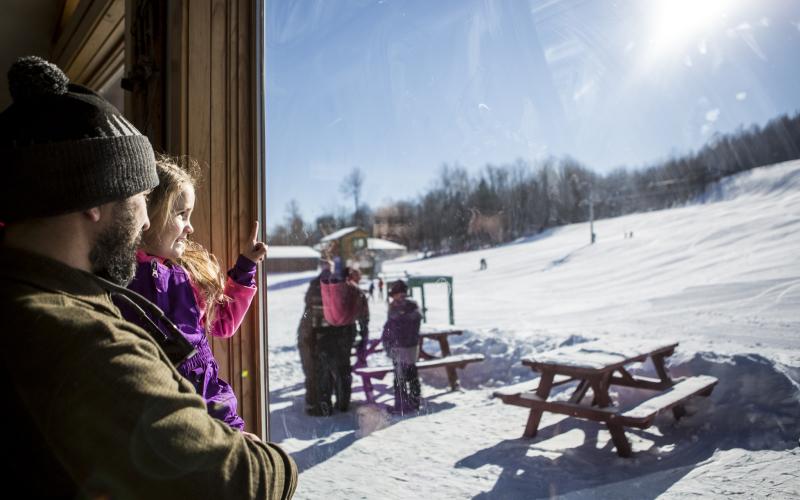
point(676, 24)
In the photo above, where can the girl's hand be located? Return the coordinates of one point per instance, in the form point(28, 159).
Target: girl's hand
point(258, 249)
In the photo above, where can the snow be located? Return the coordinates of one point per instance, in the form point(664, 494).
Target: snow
point(598, 354)
point(720, 276)
point(381, 244)
point(291, 252)
point(338, 234)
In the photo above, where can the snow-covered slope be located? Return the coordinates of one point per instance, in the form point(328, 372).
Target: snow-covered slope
point(722, 277)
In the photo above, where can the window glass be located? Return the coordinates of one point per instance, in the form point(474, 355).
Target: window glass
point(543, 173)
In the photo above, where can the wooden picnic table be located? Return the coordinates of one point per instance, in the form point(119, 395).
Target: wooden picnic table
point(439, 334)
point(599, 365)
point(445, 360)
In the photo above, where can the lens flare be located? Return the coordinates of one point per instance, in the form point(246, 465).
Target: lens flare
point(676, 24)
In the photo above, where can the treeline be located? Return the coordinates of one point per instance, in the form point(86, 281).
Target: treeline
point(530, 197)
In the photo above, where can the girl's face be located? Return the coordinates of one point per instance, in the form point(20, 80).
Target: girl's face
point(171, 243)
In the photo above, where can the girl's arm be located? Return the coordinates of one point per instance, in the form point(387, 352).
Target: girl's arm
point(241, 288)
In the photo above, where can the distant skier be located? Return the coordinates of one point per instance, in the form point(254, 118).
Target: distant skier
point(371, 289)
point(380, 288)
point(484, 266)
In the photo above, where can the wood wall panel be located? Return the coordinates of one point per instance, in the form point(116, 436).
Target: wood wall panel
point(91, 41)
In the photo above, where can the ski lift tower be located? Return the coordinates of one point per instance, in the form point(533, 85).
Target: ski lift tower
point(421, 281)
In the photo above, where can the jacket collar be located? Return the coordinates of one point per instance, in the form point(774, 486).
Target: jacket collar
point(52, 276)
point(142, 256)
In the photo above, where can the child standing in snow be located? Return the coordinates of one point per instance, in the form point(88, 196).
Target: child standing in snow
point(401, 342)
point(185, 281)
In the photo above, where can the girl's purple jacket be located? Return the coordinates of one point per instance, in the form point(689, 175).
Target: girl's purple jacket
point(170, 288)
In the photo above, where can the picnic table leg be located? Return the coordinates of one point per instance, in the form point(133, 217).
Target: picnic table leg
point(422, 353)
point(678, 411)
point(366, 383)
point(452, 376)
point(618, 438)
point(600, 389)
point(661, 369)
point(580, 392)
point(535, 416)
point(602, 399)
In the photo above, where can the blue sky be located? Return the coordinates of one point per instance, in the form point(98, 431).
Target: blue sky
point(398, 88)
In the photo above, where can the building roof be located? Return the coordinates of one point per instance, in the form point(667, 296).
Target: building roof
point(291, 252)
point(338, 234)
point(381, 244)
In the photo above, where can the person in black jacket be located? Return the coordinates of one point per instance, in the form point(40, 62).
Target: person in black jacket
point(310, 322)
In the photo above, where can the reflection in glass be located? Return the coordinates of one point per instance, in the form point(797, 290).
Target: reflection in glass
point(580, 170)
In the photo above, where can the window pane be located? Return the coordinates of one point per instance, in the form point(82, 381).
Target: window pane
point(542, 174)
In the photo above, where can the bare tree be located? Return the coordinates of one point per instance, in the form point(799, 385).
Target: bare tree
point(351, 186)
point(295, 223)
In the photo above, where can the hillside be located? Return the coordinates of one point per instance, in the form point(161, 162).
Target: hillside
point(720, 276)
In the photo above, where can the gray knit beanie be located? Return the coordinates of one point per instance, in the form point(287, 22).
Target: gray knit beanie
point(64, 148)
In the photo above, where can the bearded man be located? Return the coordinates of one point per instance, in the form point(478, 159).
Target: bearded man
point(93, 404)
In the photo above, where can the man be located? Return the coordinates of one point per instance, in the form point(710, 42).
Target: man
point(94, 407)
point(312, 320)
point(325, 344)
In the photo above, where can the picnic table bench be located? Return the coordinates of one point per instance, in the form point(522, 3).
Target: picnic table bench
point(598, 365)
point(446, 360)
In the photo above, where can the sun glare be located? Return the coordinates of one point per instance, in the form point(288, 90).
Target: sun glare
point(676, 24)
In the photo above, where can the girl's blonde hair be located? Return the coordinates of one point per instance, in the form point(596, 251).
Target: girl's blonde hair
point(203, 268)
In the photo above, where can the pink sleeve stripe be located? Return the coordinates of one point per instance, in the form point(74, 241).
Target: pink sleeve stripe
point(229, 315)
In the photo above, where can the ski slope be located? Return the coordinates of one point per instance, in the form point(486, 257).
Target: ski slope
point(721, 276)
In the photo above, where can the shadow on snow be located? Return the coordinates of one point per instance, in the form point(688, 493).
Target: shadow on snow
point(753, 407)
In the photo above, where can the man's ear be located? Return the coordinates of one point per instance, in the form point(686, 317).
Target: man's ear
point(92, 214)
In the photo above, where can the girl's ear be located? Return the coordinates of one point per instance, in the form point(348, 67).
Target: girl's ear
point(93, 214)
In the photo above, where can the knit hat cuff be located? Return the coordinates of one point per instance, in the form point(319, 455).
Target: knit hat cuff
point(70, 176)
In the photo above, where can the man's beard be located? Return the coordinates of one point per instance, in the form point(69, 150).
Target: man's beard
point(113, 255)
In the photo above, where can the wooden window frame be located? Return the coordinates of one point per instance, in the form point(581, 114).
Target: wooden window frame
point(212, 112)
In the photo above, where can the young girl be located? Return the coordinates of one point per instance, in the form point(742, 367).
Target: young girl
point(401, 342)
point(185, 281)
